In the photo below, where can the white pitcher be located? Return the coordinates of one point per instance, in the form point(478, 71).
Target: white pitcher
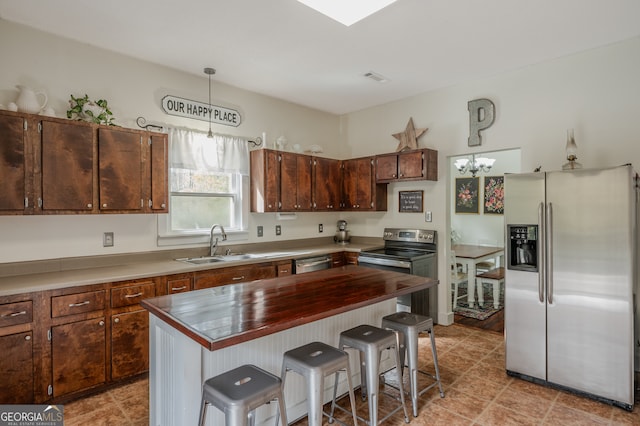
point(28, 100)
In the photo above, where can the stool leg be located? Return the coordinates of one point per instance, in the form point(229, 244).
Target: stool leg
point(238, 417)
point(282, 409)
point(352, 396)
point(315, 388)
point(283, 374)
point(372, 369)
point(396, 353)
point(203, 412)
point(412, 354)
point(435, 361)
point(363, 376)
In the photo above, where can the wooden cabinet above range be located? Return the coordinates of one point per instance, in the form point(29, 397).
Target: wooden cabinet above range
point(58, 166)
point(419, 164)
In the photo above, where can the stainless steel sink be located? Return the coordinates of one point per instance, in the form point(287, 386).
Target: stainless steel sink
point(221, 258)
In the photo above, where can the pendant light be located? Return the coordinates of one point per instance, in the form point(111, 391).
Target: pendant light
point(209, 72)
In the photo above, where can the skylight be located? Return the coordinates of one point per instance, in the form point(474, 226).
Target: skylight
point(347, 12)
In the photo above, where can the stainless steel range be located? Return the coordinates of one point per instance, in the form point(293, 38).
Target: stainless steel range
point(412, 251)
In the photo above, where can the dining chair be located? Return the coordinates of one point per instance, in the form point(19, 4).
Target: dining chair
point(457, 277)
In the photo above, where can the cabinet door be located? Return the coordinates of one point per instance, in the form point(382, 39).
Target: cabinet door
point(326, 184)
point(386, 167)
point(159, 167)
point(295, 182)
point(349, 184)
point(67, 166)
point(337, 259)
point(12, 163)
point(411, 165)
point(265, 180)
point(120, 170)
point(16, 365)
point(364, 188)
point(78, 355)
point(129, 344)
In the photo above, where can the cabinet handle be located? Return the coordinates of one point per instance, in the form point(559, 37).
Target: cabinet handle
point(14, 314)
point(131, 296)
point(101, 323)
point(75, 305)
point(284, 270)
point(178, 288)
point(116, 320)
point(238, 278)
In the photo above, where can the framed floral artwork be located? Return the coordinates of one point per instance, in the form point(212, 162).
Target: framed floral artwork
point(494, 194)
point(467, 195)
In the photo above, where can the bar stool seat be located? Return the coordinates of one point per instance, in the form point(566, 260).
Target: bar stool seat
point(315, 361)
point(239, 392)
point(370, 342)
point(409, 326)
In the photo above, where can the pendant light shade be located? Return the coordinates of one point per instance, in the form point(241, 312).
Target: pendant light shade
point(209, 72)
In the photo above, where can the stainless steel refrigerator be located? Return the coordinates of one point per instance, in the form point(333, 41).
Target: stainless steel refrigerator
point(571, 280)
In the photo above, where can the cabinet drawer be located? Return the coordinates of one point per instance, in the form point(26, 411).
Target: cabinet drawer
point(233, 275)
point(126, 296)
point(16, 313)
point(79, 303)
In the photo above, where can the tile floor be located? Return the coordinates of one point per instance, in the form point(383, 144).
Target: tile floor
point(477, 392)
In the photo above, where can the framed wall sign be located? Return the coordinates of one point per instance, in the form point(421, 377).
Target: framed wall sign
point(410, 202)
point(467, 195)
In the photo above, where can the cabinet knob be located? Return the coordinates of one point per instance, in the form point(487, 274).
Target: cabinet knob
point(104, 205)
point(270, 206)
point(163, 205)
point(27, 337)
point(89, 205)
point(116, 320)
point(101, 323)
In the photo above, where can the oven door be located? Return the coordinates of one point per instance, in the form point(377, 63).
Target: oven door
point(395, 265)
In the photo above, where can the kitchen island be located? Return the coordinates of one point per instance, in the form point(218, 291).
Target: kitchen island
point(200, 334)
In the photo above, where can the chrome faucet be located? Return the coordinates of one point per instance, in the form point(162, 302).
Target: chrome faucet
point(213, 245)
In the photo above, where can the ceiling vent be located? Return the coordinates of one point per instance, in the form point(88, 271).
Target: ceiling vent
point(379, 78)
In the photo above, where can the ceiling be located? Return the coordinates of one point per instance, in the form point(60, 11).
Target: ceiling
point(286, 50)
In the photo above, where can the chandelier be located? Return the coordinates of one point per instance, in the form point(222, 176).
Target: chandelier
point(474, 166)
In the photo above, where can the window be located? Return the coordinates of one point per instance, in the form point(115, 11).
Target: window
point(208, 184)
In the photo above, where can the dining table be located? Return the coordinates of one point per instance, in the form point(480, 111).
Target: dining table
point(469, 255)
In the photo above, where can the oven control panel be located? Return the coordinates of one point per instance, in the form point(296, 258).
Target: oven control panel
point(411, 235)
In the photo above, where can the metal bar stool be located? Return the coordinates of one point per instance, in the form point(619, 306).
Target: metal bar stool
point(371, 341)
point(239, 392)
point(315, 361)
point(409, 326)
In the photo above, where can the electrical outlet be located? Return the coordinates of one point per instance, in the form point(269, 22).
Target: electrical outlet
point(260, 232)
point(107, 239)
point(427, 216)
point(278, 230)
point(320, 228)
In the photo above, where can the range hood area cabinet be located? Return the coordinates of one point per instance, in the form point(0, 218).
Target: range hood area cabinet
point(290, 182)
point(421, 164)
point(57, 166)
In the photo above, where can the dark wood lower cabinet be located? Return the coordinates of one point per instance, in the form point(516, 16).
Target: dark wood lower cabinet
point(78, 355)
point(16, 365)
point(129, 344)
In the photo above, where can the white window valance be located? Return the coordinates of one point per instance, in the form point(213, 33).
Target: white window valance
point(189, 149)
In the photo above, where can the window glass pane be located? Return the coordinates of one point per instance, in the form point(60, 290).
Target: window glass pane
point(193, 213)
point(187, 180)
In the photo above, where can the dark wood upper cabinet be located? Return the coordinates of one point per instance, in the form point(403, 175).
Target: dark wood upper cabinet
point(13, 156)
point(120, 170)
point(421, 164)
point(67, 166)
point(327, 191)
point(159, 170)
point(295, 182)
point(360, 192)
point(265, 180)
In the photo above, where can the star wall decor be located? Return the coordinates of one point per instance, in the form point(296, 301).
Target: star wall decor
point(409, 138)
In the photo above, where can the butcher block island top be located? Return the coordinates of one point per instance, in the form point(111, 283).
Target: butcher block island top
point(223, 316)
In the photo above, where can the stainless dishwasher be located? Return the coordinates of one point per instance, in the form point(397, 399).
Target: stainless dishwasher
point(310, 264)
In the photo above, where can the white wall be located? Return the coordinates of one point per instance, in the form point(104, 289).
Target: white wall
point(133, 88)
point(597, 93)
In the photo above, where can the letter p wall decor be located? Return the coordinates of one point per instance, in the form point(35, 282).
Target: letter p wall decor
point(481, 116)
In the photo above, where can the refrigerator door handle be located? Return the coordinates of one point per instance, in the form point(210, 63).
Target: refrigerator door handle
point(549, 250)
point(543, 271)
